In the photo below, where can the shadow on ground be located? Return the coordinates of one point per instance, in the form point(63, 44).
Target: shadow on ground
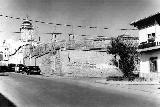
point(4, 102)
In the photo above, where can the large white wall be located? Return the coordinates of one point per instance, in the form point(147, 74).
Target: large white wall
point(143, 33)
point(79, 56)
point(157, 39)
point(16, 59)
point(144, 64)
point(79, 61)
point(86, 56)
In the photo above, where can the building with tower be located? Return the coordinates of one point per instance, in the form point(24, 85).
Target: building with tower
point(27, 40)
point(4, 53)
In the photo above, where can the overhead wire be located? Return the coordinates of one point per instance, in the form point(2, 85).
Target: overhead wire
point(66, 25)
point(49, 23)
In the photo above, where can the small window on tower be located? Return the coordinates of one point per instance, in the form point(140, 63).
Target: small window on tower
point(153, 34)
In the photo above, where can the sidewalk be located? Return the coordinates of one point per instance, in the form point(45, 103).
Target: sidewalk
point(128, 82)
point(150, 87)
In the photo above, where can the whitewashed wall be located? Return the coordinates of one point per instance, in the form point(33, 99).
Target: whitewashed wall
point(145, 65)
point(82, 63)
point(88, 63)
point(157, 27)
point(16, 59)
point(143, 33)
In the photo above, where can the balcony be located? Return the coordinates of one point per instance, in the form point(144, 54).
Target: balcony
point(148, 46)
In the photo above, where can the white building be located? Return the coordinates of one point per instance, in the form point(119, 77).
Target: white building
point(17, 51)
point(149, 45)
point(4, 53)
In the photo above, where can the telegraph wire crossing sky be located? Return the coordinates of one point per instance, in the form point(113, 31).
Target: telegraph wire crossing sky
point(113, 14)
point(53, 23)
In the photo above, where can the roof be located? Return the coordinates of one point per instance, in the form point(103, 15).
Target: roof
point(147, 21)
point(27, 24)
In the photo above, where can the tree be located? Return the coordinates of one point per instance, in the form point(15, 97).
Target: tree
point(127, 52)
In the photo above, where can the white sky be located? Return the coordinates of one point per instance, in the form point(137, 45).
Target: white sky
point(114, 14)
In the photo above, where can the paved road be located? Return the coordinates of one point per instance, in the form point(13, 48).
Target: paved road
point(27, 91)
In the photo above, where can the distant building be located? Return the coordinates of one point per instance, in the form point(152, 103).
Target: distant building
point(129, 39)
point(26, 31)
point(149, 45)
point(27, 39)
point(4, 53)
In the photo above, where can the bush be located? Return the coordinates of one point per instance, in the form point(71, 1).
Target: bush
point(127, 53)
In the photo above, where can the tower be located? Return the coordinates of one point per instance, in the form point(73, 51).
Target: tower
point(26, 31)
point(26, 37)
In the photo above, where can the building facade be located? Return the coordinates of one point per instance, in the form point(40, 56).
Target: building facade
point(4, 53)
point(26, 38)
point(149, 45)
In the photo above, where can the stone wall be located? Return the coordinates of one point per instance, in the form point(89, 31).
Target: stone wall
point(87, 64)
point(77, 69)
point(76, 63)
point(43, 62)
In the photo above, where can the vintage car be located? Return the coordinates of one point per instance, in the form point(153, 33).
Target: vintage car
point(32, 70)
point(4, 69)
point(19, 68)
point(11, 67)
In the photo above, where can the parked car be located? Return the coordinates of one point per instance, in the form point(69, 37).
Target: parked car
point(19, 68)
point(33, 70)
point(11, 67)
point(3, 68)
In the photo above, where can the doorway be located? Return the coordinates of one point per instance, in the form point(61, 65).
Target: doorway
point(153, 64)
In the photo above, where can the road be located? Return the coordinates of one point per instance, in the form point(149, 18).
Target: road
point(26, 91)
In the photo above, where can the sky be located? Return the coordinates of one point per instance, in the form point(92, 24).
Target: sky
point(114, 14)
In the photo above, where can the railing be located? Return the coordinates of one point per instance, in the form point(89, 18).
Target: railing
point(144, 45)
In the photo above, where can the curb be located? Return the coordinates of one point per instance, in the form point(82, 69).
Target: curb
point(120, 86)
point(128, 83)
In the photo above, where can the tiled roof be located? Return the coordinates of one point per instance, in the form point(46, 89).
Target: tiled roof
point(133, 22)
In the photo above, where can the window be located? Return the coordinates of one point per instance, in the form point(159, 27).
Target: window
point(153, 64)
point(1, 57)
point(151, 37)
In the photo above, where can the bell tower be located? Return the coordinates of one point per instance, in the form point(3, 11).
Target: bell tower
point(26, 31)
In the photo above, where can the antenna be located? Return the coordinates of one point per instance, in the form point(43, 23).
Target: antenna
point(27, 17)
